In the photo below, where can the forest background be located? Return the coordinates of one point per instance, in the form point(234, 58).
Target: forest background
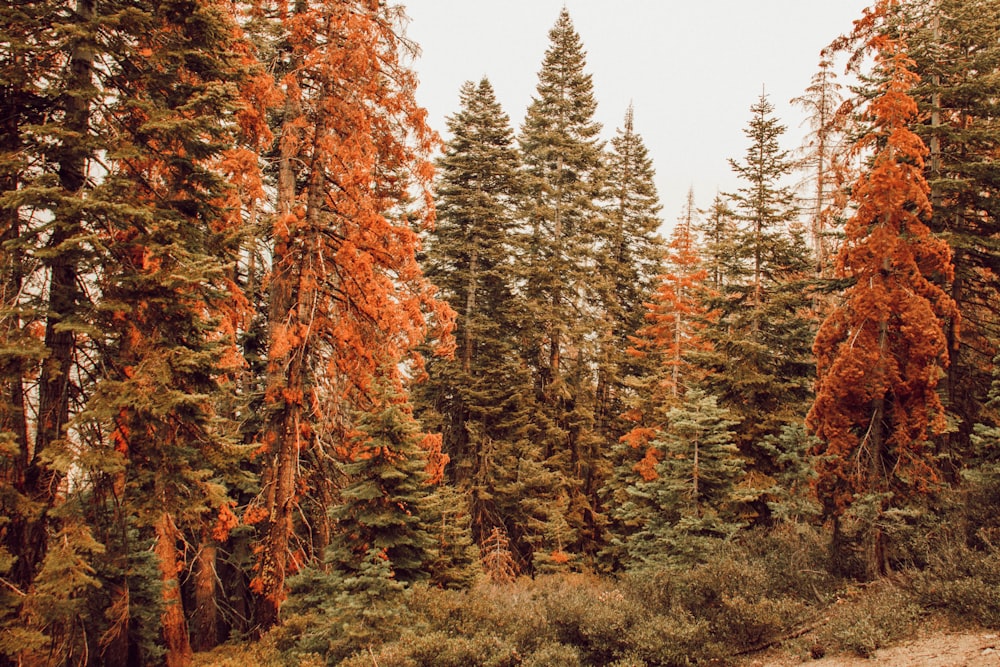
point(268, 371)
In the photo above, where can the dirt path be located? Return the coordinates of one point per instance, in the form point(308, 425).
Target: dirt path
point(973, 649)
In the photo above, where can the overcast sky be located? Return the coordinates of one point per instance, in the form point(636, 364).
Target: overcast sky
point(691, 69)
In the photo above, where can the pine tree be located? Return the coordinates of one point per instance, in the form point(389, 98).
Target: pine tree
point(169, 240)
point(127, 240)
point(663, 349)
point(759, 362)
point(691, 498)
point(347, 300)
point(380, 513)
point(718, 237)
point(480, 399)
point(880, 354)
point(48, 90)
point(29, 58)
point(630, 256)
point(563, 166)
point(955, 50)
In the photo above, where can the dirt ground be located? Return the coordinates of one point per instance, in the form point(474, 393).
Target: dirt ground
point(945, 649)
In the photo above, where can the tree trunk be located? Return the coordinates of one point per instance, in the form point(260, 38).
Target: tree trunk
point(174, 624)
point(205, 615)
point(41, 483)
point(284, 385)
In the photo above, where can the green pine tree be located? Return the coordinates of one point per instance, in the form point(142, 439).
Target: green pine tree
point(481, 398)
point(381, 510)
point(630, 260)
point(692, 499)
point(954, 45)
point(564, 180)
point(762, 332)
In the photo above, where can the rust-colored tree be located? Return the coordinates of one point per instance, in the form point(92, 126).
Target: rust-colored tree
point(674, 320)
point(661, 351)
point(346, 295)
point(881, 352)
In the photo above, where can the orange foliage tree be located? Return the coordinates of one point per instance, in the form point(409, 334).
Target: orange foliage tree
point(881, 352)
point(347, 298)
point(672, 331)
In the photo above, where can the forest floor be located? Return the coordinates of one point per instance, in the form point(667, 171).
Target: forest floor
point(930, 648)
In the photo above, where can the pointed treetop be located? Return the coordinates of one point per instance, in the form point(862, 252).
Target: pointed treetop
point(564, 83)
point(629, 118)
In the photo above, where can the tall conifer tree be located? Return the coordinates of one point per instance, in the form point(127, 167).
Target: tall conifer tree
point(760, 359)
point(564, 172)
point(880, 354)
point(346, 297)
point(482, 397)
point(630, 255)
point(955, 48)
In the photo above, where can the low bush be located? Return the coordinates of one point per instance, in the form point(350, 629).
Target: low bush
point(870, 619)
point(964, 582)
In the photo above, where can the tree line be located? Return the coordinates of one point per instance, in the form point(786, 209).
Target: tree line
point(257, 356)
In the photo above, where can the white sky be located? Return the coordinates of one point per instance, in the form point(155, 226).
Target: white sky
point(692, 69)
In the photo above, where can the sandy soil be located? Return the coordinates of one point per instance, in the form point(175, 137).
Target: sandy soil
point(969, 649)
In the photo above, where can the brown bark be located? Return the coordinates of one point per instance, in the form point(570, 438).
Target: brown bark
point(284, 383)
point(173, 621)
point(205, 615)
point(41, 483)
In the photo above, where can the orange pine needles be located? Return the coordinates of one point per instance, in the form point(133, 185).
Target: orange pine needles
point(881, 353)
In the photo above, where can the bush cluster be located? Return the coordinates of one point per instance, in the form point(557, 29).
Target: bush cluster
point(747, 594)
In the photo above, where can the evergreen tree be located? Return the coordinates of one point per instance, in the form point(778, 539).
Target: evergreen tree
point(663, 349)
point(169, 241)
point(955, 50)
point(48, 91)
point(564, 177)
point(380, 514)
point(881, 353)
point(717, 229)
point(128, 241)
point(630, 258)
point(347, 300)
point(27, 61)
point(480, 399)
point(691, 498)
point(760, 362)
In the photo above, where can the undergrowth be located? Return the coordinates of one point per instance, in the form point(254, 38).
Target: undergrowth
point(765, 589)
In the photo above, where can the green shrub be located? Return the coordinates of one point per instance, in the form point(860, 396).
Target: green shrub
point(552, 654)
point(963, 581)
point(882, 615)
point(673, 640)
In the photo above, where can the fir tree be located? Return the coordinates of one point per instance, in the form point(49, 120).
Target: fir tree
point(760, 361)
point(691, 499)
point(630, 259)
point(28, 60)
point(380, 514)
point(717, 230)
point(663, 349)
point(564, 173)
point(881, 353)
point(480, 399)
point(955, 50)
point(347, 300)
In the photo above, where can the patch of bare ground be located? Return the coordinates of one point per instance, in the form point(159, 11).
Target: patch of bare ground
point(931, 648)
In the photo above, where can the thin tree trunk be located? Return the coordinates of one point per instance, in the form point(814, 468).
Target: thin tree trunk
point(41, 482)
point(284, 385)
point(875, 558)
point(173, 621)
point(205, 615)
